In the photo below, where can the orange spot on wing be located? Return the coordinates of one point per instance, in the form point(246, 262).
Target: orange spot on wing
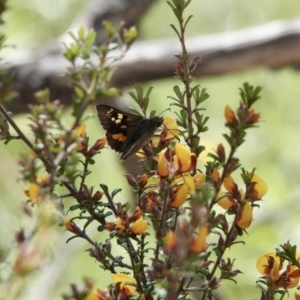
point(119, 137)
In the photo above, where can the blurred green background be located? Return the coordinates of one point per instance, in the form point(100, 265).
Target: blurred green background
point(272, 148)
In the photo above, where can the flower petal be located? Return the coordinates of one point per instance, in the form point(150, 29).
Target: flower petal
point(171, 129)
point(162, 168)
point(123, 278)
point(199, 179)
point(139, 226)
point(261, 187)
point(245, 217)
point(199, 242)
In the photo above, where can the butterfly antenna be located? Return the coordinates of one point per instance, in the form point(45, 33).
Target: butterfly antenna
point(170, 130)
point(165, 110)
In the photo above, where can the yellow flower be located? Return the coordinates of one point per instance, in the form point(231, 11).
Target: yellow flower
point(99, 295)
point(171, 240)
point(80, 132)
point(124, 279)
point(139, 226)
point(120, 225)
point(244, 219)
point(162, 168)
point(34, 191)
point(261, 187)
point(229, 184)
point(186, 160)
point(182, 186)
point(224, 201)
point(171, 129)
point(199, 179)
point(272, 265)
point(180, 193)
point(198, 244)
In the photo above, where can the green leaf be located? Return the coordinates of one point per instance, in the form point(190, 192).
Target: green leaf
point(177, 92)
point(104, 188)
point(175, 29)
point(90, 39)
point(115, 192)
point(228, 139)
point(81, 32)
point(186, 22)
point(108, 28)
point(178, 105)
point(152, 113)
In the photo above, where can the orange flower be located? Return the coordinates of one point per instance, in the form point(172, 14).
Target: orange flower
point(124, 279)
point(253, 117)
point(186, 160)
point(34, 191)
point(229, 115)
point(99, 144)
point(215, 176)
point(139, 226)
point(171, 240)
point(180, 193)
point(183, 185)
point(152, 183)
point(162, 168)
point(272, 265)
point(171, 129)
point(244, 219)
point(261, 187)
point(26, 262)
point(99, 295)
point(229, 184)
point(198, 243)
point(199, 179)
point(120, 225)
point(224, 201)
point(80, 132)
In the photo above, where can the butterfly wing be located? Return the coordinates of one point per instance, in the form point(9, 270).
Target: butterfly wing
point(119, 126)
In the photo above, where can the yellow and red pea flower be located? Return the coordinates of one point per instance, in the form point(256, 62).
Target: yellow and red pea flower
point(98, 295)
point(135, 223)
point(230, 115)
point(170, 131)
point(182, 186)
point(80, 132)
point(123, 280)
point(234, 197)
point(34, 190)
point(99, 144)
point(171, 240)
point(198, 244)
point(260, 188)
point(126, 283)
point(139, 226)
point(245, 216)
point(175, 161)
point(272, 265)
point(252, 117)
point(199, 179)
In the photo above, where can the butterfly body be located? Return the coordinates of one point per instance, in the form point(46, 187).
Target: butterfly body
point(126, 133)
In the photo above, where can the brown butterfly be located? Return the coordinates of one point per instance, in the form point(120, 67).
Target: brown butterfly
point(126, 133)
